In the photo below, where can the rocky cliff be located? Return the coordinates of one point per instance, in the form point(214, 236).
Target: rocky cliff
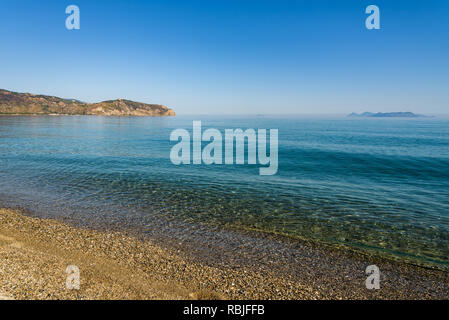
point(31, 104)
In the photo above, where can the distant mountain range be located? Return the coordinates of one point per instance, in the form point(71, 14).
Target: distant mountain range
point(13, 103)
point(387, 115)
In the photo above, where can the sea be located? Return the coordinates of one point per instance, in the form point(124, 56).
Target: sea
point(378, 185)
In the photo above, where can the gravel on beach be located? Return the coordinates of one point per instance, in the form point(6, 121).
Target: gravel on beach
point(35, 254)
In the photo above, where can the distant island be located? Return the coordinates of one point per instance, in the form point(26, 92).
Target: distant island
point(387, 115)
point(14, 103)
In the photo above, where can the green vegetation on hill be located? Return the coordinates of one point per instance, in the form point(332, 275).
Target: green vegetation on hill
point(31, 104)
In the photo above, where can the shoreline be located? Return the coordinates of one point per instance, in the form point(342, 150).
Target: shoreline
point(34, 254)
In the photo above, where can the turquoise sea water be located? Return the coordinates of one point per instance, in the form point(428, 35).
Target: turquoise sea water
point(373, 184)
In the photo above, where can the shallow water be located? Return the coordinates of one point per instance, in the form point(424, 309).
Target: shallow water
point(372, 184)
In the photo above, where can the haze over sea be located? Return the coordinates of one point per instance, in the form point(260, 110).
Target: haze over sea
point(378, 185)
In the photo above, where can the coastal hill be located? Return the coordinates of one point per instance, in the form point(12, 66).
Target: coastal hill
point(387, 115)
point(14, 103)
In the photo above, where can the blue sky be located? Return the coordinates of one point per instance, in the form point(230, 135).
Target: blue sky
point(228, 57)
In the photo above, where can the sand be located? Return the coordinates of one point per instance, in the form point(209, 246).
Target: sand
point(35, 253)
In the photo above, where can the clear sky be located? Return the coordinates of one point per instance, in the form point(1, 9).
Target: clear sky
point(251, 57)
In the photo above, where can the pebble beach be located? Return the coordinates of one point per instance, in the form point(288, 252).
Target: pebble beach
point(35, 252)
